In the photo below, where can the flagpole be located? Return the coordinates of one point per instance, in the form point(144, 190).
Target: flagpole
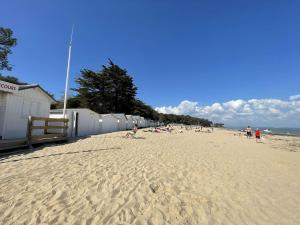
point(68, 74)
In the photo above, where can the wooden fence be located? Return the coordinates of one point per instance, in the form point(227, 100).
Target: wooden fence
point(48, 135)
point(48, 131)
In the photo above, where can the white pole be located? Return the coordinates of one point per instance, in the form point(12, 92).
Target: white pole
point(68, 73)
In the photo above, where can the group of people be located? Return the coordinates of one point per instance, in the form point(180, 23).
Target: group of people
point(167, 129)
point(199, 129)
point(257, 133)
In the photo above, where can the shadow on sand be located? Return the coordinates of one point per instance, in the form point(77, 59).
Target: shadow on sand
point(54, 154)
point(5, 154)
point(139, 138)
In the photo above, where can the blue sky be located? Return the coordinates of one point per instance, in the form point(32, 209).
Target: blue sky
point(200, 51)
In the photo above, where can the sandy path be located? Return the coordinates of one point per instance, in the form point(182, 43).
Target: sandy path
point(189, 178)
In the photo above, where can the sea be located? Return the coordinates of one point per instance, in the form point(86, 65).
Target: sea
point(275, 131)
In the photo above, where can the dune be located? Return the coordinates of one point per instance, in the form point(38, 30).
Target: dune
point(179, 178)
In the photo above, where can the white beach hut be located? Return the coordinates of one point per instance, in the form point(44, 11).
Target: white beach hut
point(130, 122)
point(151, 123)
point(143, 122)
point(17, 103)
point(148, 122)
point(122, 121)
point(109, 123)
point(82, 121)
point(136, 120)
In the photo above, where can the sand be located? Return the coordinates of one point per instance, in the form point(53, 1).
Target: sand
point(182, 178)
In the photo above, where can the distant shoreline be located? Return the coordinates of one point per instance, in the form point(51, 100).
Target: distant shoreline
point(289, 132)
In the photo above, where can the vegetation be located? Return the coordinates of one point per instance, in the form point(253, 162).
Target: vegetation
point(219, 125)
point(183, 119)
point(141, 109)
point(73, 102)
point(11, 79)
point(110, 90)
point(7, 41)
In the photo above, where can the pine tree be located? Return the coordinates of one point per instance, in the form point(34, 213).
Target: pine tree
point(6, 42)
point(110, 90)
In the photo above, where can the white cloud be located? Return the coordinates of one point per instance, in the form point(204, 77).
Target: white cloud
point(295, 97)
point(255, 112)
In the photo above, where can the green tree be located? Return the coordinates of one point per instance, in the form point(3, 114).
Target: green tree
point(110, 90)
point(7, 41)
point(11, 79)
point(184, 119)
point(141, 109)
point(73, 102)
point(219, 125)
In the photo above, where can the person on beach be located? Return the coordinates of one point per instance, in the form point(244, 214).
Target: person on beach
point(248, 132)
point(133, 132)
point(257, 135)
point(169, 129)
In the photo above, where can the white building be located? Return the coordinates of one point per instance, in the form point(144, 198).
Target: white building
point(17, 103)
point(143, 122)
point(122, 121)
point(147, 122)
point(130, 122)
point(82, 121)
point(109, 123)
point(137, 120)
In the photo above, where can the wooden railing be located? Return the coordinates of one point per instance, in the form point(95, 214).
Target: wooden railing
point(60, 133)
point(49, 132)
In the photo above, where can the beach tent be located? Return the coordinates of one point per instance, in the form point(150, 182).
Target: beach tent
point(109, 123)
point(130, 122)
point(17, 103)
point(82, 121)
point(122, 121)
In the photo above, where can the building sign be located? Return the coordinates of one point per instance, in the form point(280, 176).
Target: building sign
point(8, 87)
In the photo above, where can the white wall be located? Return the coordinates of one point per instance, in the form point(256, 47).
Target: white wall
point(2, 111)
point(122, 121)
point(143, 122)
point(137, 120)
point(88, 121)
point(130, 123)
point(69, 115)
point(109, 123)
point(19, 107)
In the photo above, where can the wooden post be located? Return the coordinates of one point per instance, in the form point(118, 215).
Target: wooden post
point(29, 130)
point(65, 129)
point(46, 127)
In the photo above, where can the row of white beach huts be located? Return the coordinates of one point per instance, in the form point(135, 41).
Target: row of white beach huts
point(83, 122)
point(18, 102)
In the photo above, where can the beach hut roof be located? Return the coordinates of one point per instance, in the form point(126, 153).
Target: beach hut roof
point(108, 114)
point(73, 109)
point(119, 116)
point(29, 86)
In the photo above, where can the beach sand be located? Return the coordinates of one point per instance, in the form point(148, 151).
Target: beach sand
point(182, 178)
